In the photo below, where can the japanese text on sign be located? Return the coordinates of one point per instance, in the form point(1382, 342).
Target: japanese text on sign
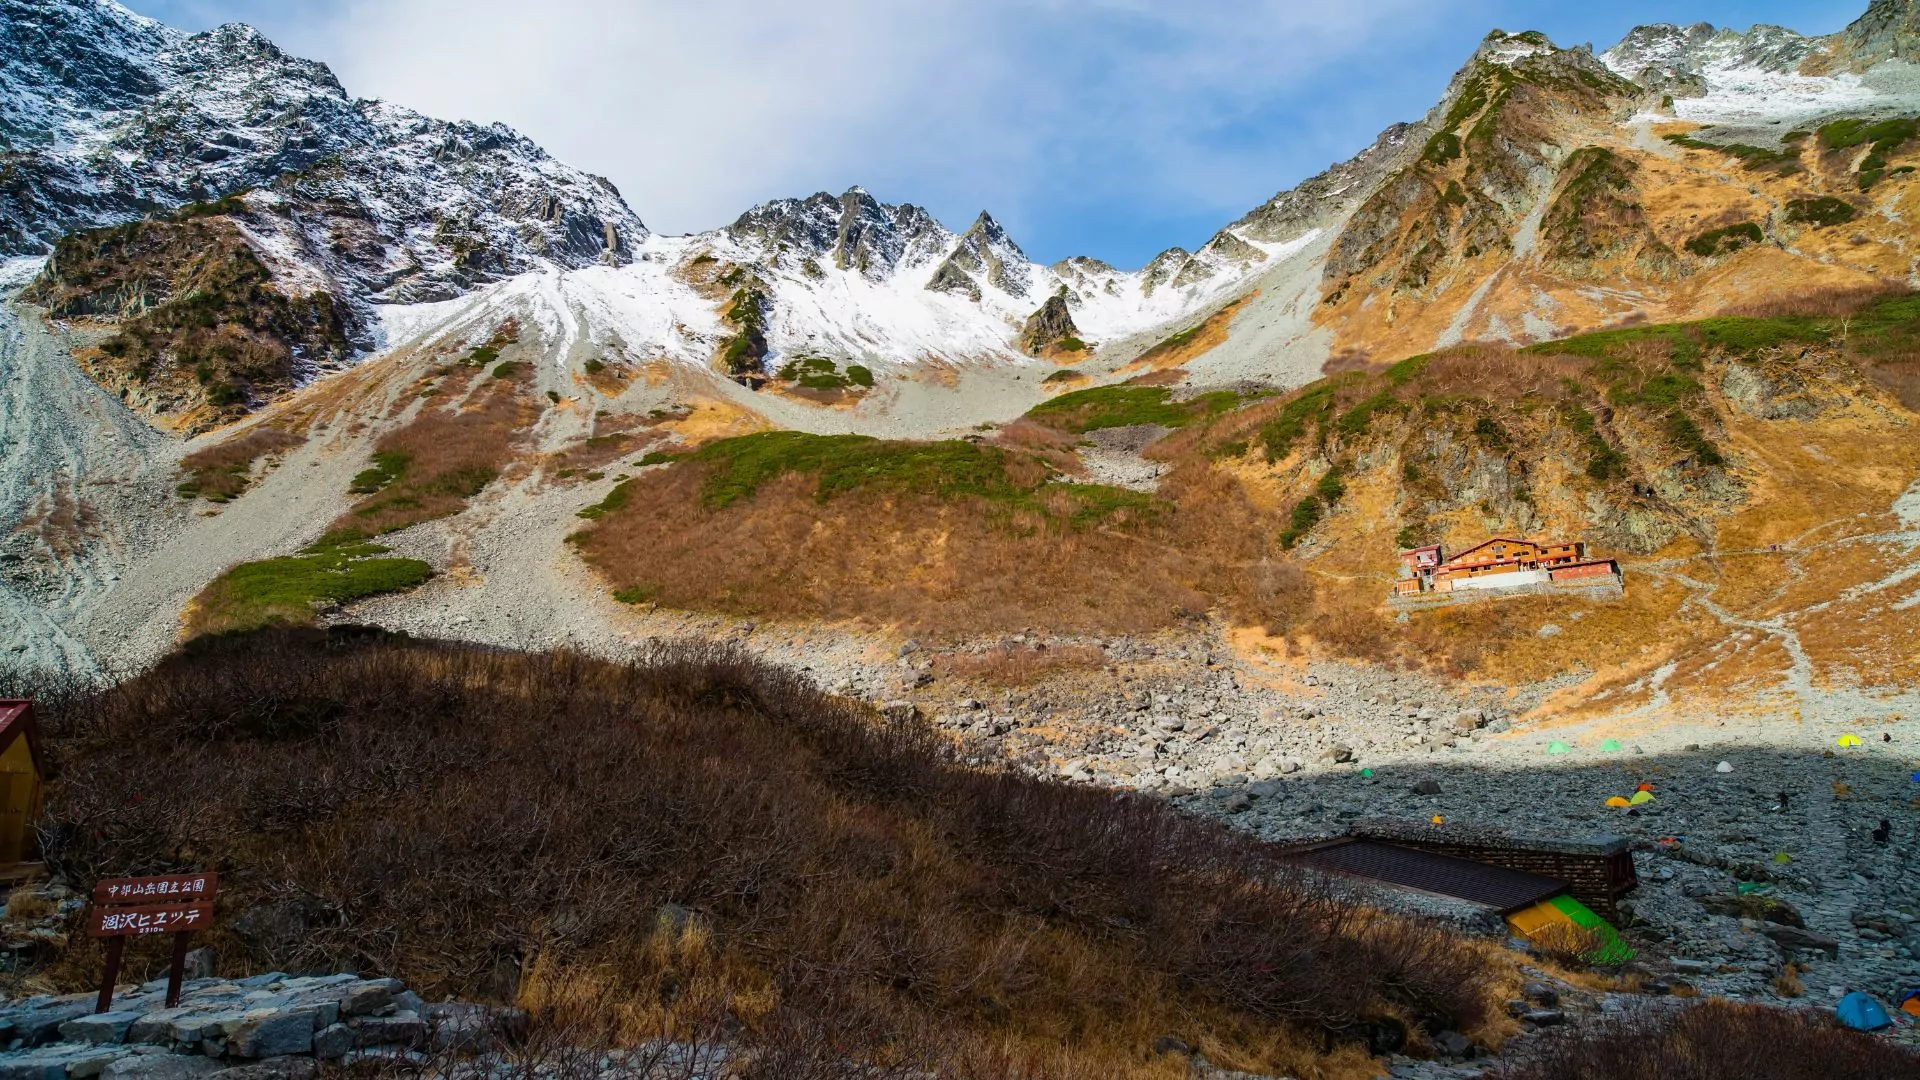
point(182, 888)
point(134, 922)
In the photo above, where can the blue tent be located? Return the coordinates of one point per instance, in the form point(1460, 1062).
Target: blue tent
point(1862, 1013)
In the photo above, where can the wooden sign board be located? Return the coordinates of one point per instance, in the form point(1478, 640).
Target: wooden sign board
point(176, 904)
point(158, 919)
point(176, 889)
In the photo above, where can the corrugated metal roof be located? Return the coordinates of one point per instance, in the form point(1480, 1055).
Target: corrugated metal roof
point(1497, 887)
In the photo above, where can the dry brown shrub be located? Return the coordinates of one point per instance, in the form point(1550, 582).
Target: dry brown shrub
point(222, 472)
point(1712, 1040)
point(1787, 984)
point(702, 833)
point(1496, 371)
point(62, 522)
point(1568, 945)
point(1166, 377)
point(452, 451)
point(1018, 665)
point(27, 904)
point(1830, 303)
point(615, 436)
point(932, 566)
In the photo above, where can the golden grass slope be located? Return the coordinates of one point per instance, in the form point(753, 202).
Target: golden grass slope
point(1688, 451)
point(1527, 290)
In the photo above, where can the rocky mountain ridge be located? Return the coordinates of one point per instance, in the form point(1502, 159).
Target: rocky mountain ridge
point(110, 116)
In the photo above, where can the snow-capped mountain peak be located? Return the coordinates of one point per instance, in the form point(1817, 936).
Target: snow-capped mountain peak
point(107, 116)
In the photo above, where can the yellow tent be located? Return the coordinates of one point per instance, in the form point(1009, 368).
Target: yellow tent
point(1566, 911)
point(1849, 740)
point(1617, 801)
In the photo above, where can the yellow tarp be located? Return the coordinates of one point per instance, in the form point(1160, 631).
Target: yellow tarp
point(1566, 911)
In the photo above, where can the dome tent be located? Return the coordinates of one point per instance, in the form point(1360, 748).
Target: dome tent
point(1862, 1013)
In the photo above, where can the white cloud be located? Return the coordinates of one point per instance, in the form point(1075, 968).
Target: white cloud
point(699, 108)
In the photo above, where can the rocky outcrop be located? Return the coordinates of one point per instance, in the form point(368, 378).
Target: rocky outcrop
point(984, 251)
point(1050, 326)
point(203, 330)
point(106, 117)
point(1674, 60)
point(1596, 214)
point(1484, 148)
point(1889, 30)
point(852, 231)
point(271, 1025)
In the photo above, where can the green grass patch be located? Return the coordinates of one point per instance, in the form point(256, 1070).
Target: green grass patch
point(1176, 341)
point(1098, 407)
point(1404, 372)
point(637, 594)
point(619, 497)
point(1823, 212)
point(594, 366)
point(658, 457)
point(285, 591)
point(948, 470)
point(860, 375)
point(1489, 432)
point(1753, 157)
point(1736, 334)
point(1331, 487)
point(1715, 242)
point(1442, 149)
point(1685, 433)
point(507, 370)
point(1313, 407)
point(1604, 463)
point(1355, 421)
point(1306, 514)
point(387, 467)
point(820, 373)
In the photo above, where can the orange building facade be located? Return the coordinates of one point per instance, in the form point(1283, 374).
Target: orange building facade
point(1500, 563)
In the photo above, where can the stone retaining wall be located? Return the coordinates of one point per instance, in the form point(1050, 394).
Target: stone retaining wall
point(1604, 588)
point(263, 1027)
point(1598, 870)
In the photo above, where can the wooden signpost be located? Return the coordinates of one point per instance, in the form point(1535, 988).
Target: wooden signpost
point(136, 907)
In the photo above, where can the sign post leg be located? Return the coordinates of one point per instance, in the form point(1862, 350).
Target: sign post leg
point(177, 971)
point(115, 946)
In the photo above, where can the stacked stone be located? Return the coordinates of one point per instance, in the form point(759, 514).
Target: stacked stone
point(271, 1025)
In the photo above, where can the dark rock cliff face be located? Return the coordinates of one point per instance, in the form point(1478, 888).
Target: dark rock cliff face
point(201, 332)
point(1487, 148)
point(1890, 30)
point(853, 231)
point(987, 251)
point(1049, 326)
point(106, 117)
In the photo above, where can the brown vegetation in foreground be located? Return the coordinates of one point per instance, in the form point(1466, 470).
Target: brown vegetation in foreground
point(1715, 1040)
point(700, 832)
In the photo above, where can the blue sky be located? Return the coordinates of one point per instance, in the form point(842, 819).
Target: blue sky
point(1113, 128)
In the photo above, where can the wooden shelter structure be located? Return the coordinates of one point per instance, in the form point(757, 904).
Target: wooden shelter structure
point(20, 781)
